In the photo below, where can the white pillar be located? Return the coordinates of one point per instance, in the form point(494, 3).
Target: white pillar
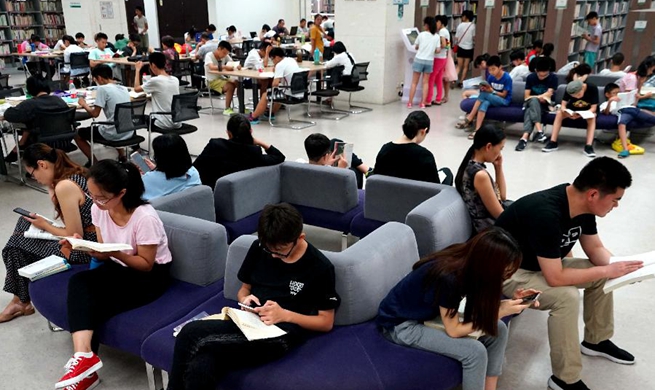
point(371, 32)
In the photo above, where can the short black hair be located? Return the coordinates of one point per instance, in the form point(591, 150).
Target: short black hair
point(171, 153)
point(35, 38)
point(113, 176)
point(604, 174)
point(204, 36)
point(538, 44)
point(339, 48)
point(309, 24)
point(618, 59)
point(135, 37)
point(158, 59)
point(266, 28)
point(591, 15)
point(443, 19)
point(36, 85)
point(541, 64)
point(211, 27)
point(103, 71)
point(231, 29)
point(264, 45)
point(118, 37)
point(611, 87)
point(480, 59)
point(225, 45)
point(415, 121)
point(494, 61)
point(303, 20)
point(140, 8)
point(276, 52)
point(168, 41)
point(469, 15)
point(100, 36)
point(280, 21)
point(79, 35)
point(517, 55)
point(279, 224)
point(69, 39)
point(317, 145)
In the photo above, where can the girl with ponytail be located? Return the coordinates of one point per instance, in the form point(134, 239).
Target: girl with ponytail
point(67, 187)
point(483, 197)
point(124, 280)
point(239, 152)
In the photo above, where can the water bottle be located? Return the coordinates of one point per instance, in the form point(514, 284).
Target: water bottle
point(317, 57)
point(72, 90)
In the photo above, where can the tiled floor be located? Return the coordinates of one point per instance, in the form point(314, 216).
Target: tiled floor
point(32, 357)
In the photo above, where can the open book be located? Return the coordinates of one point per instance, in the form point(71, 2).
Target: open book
point(547, 99)
point(199, 316)
point(249, 323)
point(45, 267)
point(472, 83)
point(645, 273)
point(345, 150)
point(577, 30)
point(626, 99)
point(438, 324)
point(39, 234)
point(586, 114)
point(87, 246)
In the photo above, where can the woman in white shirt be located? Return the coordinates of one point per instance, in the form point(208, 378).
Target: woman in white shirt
point(427, 44)
point(464, 37)
point(343, 58)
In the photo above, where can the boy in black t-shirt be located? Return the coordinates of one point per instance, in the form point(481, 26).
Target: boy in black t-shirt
point(288, 282)
point(547, 224)
point(579, 96)
point(539, 89)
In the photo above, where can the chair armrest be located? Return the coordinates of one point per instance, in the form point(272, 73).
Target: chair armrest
point(160, 113)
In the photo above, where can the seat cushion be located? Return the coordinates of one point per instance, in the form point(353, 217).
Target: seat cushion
point(362, 226)
point(351, 89)
point(331, 219)
point(137, 139)
point(185, 129)
point(247, 225)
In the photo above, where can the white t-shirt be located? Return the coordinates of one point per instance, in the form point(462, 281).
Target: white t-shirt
point(519, 73)
point(67, 60)
point(607, 72)
point(59, 45)
point(210, 59)
point(342, 59)
point(465, 41)
point(443, 33)
point(614, 108)
point(163, 88)
point(285, 70)
point(427, 44)
point(269, 34)
point(254, 60)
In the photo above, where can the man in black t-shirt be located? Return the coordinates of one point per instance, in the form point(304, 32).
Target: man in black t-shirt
point(579, 96)
point(286, 281)
point(547, 224)
point(540, 87)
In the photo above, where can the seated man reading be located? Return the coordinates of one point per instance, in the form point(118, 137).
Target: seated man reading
point(321, 151)
point(218, 60)
point(162, 87)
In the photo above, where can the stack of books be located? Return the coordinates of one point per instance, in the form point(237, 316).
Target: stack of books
point(45, 267)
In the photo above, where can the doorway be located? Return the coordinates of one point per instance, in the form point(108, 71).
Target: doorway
point(177, 16)
point(130, 5)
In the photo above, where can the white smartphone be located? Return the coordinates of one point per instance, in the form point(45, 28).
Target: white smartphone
point(138, 160)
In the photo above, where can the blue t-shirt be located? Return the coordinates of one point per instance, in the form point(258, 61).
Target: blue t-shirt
point(157, 185)
point(410, 300)
point(538, 87)
point(502, 84)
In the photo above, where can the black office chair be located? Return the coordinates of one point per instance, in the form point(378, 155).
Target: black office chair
point(184, 108)
point(128, 117)
point(5, 93)
point(328, 90)
point(299, 85)
point(181, 69)
point(4, 81)
point(328, 54)
point(359, 74)
point(81, 61)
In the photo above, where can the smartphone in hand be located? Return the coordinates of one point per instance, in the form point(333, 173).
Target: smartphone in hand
point(531, 299)
point(23, 212)
point(138, 160)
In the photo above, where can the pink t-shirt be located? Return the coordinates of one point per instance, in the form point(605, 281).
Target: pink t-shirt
point(143, 228)
point(628, 82)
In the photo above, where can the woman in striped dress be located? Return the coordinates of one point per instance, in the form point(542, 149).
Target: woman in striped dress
point(66, 184)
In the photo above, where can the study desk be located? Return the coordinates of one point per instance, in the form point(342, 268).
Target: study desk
point(53, 55)
point(124, 63)
point(267, 74)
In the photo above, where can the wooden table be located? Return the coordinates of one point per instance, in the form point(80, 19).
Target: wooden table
point(256, 75)
point(53, 55)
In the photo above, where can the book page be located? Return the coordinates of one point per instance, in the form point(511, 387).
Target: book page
point(648, 272)
point(472, 83)
point(648, 258)
point(252, 326)
point(626, 99)
point(36, 233)
point(88, 246)
point(586, 114)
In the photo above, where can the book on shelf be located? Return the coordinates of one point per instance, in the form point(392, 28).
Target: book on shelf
point(45, 267)
point(437, 323)
point(645, 273)
point(249, 323)
point(79, 244)
point(197, 317)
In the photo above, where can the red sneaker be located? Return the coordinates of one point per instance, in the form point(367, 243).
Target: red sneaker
point(78, 368)
point(87, 383)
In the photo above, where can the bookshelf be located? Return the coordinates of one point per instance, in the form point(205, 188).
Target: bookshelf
point(522, 22)
point(453, 9)
point(613, 15)
point(19, 19)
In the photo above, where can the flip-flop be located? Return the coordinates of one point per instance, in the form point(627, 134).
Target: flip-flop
point(465, 124)
point(20, 313)
point(472, 135)
point(444, 100)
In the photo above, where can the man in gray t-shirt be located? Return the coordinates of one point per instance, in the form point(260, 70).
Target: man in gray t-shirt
point(108, 95)
point(593, 39)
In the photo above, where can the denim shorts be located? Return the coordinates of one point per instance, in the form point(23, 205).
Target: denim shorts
point(422, 66)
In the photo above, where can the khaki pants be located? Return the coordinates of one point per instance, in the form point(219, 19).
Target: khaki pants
point(564, 306)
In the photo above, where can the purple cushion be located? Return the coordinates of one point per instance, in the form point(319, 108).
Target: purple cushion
point(330, 219)
point(349, 357)
point(127, 330)
point(511, 113)
point(247, 225)
point(362, 226)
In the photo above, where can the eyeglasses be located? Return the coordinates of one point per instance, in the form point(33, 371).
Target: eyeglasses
point(99, 201)
point(32, 173)
point(282, 255)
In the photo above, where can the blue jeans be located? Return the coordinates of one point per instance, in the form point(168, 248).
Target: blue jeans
point(489, 99)
point(628, 115)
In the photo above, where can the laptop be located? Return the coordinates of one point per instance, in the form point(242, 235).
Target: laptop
point(294, 31)
point(253, 34)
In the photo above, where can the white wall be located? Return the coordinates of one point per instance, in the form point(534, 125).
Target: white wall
point(87, 19)
point(250, 15)
point(150, 8)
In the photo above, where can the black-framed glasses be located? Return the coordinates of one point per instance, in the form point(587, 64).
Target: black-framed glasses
point(32, 173)
point(282, 255)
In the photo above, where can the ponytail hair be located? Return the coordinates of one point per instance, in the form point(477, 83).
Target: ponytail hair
point(415, 121)
point(113, 177)
point(548, 49)
point(580, 70)
point(64, 167)
point(488, 134)
point(431, 23)
point(239, 127)
point(645, 65)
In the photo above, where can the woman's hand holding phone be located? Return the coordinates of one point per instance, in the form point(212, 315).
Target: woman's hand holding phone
point(510, 307)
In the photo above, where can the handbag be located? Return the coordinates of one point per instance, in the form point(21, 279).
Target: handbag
point(455, 47)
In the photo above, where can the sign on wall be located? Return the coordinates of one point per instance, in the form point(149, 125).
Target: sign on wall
point(107, 9)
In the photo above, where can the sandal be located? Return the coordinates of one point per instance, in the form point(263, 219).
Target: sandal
point(444, 100)
point(28, 310)
point(436, 103)
point(465, 124)
point(472, 135)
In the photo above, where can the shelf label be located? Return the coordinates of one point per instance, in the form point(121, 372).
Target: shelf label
point(75, 4)
point(560, 4)
point(640, 25)
point(489, 3)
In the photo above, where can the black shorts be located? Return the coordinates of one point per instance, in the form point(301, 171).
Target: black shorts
point(463, 53)
point(85, 134)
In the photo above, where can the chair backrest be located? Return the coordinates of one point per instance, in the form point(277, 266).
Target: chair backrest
point(56, 85)
point(391, 198)
point(185, 107)
point(518, 92)
point(335, 75)
point(55, 125)
point(299, 82)
point(328, 54)
point(14, 92)
point(182, 68)
point(130, 116)
point(79, 60)
point(197, 202)
point(360, 72)
point(4, 81)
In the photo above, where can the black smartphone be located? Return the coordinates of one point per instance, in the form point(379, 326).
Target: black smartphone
point(530, 299)
point(22, 212)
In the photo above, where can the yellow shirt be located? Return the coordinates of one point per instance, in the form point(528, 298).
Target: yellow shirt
point(317, 36)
